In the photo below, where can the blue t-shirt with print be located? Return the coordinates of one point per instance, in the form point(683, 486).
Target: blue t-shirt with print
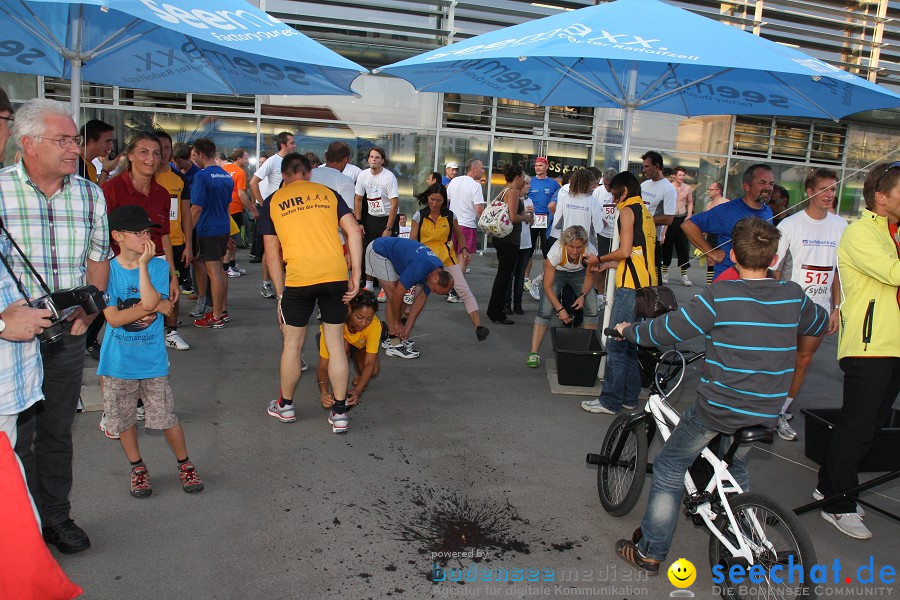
point(412, 260)
point(211, 191)
point(720, 221)
point(542, 192)
point(136, 350)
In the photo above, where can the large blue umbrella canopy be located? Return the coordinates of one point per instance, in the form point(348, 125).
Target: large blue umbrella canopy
point(673, 60)
point(221, 47)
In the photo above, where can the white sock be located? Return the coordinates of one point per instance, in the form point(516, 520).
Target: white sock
point(787, 404)
point(370, 285)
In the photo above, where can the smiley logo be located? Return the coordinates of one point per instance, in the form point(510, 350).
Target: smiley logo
point(682, 573)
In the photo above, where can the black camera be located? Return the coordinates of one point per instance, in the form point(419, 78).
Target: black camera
point(88, 297)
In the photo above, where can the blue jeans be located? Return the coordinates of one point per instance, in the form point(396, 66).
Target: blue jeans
point(688, 439)
point(622, 381)
point(576, 280)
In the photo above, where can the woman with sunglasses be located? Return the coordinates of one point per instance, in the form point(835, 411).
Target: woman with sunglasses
point(362, 335)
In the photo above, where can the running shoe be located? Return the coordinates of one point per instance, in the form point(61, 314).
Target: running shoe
point(685, 281)
point(481, 332)
point(93, 350)
point(453, 297)
point(112, 436)
point(201, 308)
point(225, 317)
point(629, 552)
point(267, 291)
point(140, 482)
point(174, 340)
point(527, 285)
point(285, 414)
point(232, 273)
point(788, 415)
point(386, 343)
point(402, 351)
point(411, 346)
point(382, 297)
point(535, 287)
point(339, 423)
point(468, 270)
point(597, 407)
point(190, 481)
point(849, 524)
point(239, 269)
point(209, 322)
point(784, 429)
point(141, 413)
point(303, 364)
point(534, 360)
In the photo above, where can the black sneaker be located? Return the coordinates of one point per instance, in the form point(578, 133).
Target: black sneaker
point(481, 333)
point(68, 537)
point(93, 350)
point(628, 550)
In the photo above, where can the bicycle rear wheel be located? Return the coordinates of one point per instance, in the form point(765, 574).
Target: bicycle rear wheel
point(779, 540)
point(620, 484)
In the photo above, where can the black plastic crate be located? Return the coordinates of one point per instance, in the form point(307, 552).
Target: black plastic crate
point(882, 456)
point(578, 354)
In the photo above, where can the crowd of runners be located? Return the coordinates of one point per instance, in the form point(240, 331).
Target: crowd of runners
point(160, 222)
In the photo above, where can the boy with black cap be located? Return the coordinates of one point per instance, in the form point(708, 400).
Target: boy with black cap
point(133, 360)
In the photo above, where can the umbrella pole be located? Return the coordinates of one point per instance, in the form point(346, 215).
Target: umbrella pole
point(623, 166)
point(76, 63)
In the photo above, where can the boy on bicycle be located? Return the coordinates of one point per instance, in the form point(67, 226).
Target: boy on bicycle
point(751, 327)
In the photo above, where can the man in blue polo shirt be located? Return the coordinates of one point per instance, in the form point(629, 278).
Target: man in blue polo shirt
point(401, 264)
point(210, 197)
point(758, 181)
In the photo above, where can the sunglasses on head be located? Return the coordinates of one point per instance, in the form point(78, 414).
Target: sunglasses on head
point(893, 165)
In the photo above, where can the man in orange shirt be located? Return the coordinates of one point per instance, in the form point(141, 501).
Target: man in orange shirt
point(239, 201)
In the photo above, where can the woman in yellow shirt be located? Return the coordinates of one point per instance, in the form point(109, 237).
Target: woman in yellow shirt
point(434, 226)
point(362, 336)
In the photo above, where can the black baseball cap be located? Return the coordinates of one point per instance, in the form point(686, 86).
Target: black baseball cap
point(130, 218)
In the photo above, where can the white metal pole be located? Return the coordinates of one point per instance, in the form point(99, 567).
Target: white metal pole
point(76, 63)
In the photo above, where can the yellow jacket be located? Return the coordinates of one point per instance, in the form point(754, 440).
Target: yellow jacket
point(869, 269)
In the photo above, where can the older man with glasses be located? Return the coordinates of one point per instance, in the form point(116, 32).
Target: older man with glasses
point(59, 220)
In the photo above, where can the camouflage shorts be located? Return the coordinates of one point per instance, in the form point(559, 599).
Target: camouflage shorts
point(120, 397)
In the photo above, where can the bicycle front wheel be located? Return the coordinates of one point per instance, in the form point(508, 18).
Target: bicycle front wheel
point(776, 537)
point(620, 483)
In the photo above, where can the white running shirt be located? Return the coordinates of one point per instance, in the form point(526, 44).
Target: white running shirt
point(270, 176)
point(573, 210)
point(464, 193)
point(807, 253)
point(377, 191)
point(604, 211)
point(660, 198)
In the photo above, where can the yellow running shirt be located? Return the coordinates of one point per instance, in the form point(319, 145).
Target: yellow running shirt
point(369, 338)
point(175, 186)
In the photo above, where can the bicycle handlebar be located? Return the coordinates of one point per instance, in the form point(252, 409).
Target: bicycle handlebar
point(610, 332)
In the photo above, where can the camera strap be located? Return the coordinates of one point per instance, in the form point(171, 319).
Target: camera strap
point(27, 262)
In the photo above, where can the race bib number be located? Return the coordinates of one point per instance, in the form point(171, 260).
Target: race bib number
point(609, 213)
point(174, 209)
point(376, 207)
point(540, 222)
point(817, 282)
point(403, 234)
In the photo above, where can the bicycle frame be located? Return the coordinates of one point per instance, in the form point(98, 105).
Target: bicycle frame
point(658, 414)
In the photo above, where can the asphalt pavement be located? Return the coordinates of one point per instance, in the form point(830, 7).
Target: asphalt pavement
point(464, 450)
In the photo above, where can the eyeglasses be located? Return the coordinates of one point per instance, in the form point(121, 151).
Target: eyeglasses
point(893, 165)
point(64, 141)
point(142, 233)
point(9, 121)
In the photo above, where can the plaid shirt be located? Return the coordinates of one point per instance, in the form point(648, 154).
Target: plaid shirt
point(21, 371)
point(58, 233)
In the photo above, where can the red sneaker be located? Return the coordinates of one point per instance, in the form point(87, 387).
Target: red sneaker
point(209, 321)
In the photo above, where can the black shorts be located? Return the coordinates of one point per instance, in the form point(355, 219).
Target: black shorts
point(212, 248)
point(238, 219)
point(604, 245)
point(298, 303)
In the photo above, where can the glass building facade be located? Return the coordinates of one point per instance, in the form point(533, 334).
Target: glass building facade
point(423, 131)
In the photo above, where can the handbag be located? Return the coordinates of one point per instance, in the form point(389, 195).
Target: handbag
point(494, 219)
point(652, 300)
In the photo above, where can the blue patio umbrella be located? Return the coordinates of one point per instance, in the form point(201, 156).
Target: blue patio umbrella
point(642, 55)
point(221, 47)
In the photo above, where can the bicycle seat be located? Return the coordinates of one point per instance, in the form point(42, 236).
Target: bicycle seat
point(750, 435)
